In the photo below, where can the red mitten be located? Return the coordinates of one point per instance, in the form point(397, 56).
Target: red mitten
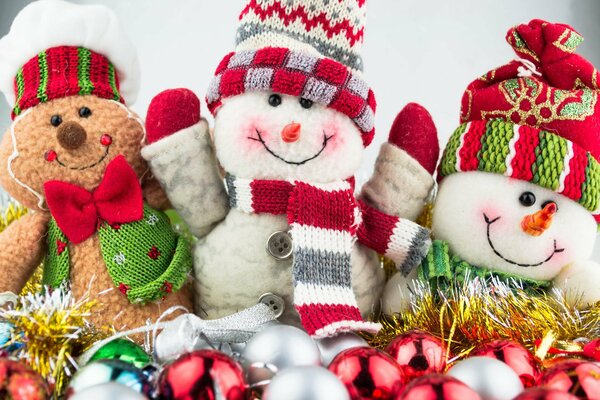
point(413, 131)
point(171, 111)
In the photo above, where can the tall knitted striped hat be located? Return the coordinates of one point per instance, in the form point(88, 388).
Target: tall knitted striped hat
point(57, 49)
point(536, 118)
point(303, 48)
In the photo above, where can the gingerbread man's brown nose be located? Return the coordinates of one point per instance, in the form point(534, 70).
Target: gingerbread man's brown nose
point(71, 135)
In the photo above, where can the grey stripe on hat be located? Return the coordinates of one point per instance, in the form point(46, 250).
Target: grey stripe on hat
point(243, 57)
point(319, 91)
point(358, 86)
point(258, 79)
point(322, 267)
point(366, 120)
point(213, 93)
point(350, 59)
point(302, 62)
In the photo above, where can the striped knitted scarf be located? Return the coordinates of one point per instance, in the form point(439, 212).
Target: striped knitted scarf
point(325, 221)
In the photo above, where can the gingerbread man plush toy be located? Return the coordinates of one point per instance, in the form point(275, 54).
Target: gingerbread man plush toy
point(72, 156)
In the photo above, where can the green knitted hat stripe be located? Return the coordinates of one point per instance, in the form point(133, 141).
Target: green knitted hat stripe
point(590, 189)
point(112, 80)
point(43, 66)
point(494, 148)
point(549, 162)
point(20, 89)
point(451, 152)
point(83, 72)
point(551, 159)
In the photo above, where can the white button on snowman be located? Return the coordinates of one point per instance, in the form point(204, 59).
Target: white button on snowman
point(519, 193)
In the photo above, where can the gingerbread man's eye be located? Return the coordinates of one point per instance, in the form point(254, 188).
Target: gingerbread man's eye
point(55, 120)
point(85, 112)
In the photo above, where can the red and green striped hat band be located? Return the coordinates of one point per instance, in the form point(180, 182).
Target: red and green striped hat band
point(525, 153)
point(64, 71)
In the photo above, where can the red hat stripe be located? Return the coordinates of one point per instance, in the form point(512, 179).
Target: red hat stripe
point(522, 163)
point(99, 72)
point(468, 153)
point(57, 73)
point(31, 79)
point(576, 174)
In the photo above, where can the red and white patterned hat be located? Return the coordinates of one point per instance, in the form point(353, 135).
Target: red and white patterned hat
point(304, 48)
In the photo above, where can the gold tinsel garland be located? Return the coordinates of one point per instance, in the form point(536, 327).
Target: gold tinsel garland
point(477, 312)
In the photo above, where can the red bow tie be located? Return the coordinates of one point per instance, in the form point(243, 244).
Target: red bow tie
point(117, 200)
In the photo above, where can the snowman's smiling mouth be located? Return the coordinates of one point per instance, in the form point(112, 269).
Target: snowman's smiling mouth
point(489, 223)
point(261, 140)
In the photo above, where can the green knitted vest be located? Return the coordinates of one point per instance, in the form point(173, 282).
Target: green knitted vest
point(145, 259)
point(442, 269)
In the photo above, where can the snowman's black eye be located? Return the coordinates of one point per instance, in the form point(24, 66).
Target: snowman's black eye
point(55, 120)
point(306, 103)
point(85, 112)
point(274, 100)
point(527, 199)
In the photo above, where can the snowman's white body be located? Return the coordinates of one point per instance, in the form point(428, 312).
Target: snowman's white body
point(231, 264)
point(561, 254)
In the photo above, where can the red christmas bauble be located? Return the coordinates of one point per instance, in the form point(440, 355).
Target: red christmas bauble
point(578, 377)
point(418, 353)
point(203, 374)
point(368, 373)
point(18, 381)
point(437, 387)
point(544, 394)
point(515, 356)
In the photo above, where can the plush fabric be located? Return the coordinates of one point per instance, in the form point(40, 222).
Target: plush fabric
point(64, 71)
point(23, 177)
point(284, 71)
point(117, 200)
point(413, 131)
point(176, 109)
point(335, 28)
point(555, 90)
point(526, 153)
point(324, 224)
point(43, 25)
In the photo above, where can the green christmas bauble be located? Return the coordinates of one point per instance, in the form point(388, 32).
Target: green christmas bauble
point(124, 350)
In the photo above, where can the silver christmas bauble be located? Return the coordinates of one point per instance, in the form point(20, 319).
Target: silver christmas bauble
point(276, 348)
point(306, 383)
point(332, 346)
point(108, 391)
point(490, 378)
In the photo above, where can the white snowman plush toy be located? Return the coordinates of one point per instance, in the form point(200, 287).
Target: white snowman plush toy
point(519, 189)
point(292, 117)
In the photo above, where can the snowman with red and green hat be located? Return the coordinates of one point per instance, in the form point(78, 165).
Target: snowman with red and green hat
point(519, 192)
point(293, 114)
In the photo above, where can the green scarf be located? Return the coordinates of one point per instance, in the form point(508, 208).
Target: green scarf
point(442, 270)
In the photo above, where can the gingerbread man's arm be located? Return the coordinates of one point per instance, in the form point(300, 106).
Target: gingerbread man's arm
point(23, 245)
point(154, 195)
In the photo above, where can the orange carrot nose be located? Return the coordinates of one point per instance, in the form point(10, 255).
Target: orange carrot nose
point(291, 132)
point(537, 223)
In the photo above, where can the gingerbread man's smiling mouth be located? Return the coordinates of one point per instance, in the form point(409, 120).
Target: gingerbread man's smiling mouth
point(489, 223)
point(85, 166)
point(261, 140)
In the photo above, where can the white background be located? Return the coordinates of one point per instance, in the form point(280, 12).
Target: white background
point(415, 50)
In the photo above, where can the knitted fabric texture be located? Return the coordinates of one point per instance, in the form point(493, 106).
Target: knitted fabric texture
point(145, 259)
point(528, 154)
point(64, 71)
point(325, 221)
point(322, 80)
point(442, 270)
point(335, 28)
